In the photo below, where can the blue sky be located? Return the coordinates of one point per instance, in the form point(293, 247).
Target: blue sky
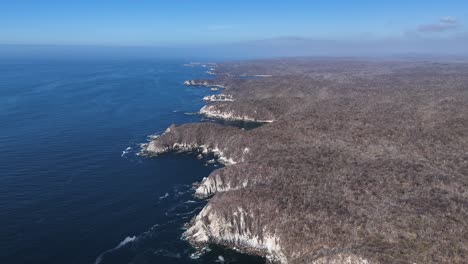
point(176, 22)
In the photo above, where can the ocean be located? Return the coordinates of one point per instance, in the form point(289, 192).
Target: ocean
point(72, 189)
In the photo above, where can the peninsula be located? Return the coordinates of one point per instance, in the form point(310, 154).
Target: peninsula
point(358, 161)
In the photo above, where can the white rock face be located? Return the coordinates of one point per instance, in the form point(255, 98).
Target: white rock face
point(211, 111)
point(154, 148)
point(201, 83)
point(218, 98)
point(213, 184)
point(195, 83)
point(210, 227)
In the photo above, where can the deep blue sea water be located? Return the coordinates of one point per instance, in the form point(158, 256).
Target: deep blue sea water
point(69, 192)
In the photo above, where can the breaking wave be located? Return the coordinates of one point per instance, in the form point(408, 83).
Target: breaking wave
point(126, 151)
point(126, 241)
point(121, 244)
point(164, 196)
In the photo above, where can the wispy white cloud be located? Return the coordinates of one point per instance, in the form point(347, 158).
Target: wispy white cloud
point(449, 20)
point(444, 24)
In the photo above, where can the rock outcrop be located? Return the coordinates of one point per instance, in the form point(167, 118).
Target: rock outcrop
point(236, 177)
point(237, 229)
point(219, 111)
point(219, 98)
point(203, 83)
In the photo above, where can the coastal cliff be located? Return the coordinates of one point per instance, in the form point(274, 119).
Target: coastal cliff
point(201, 138)
point(203, 83)
point(360, 162)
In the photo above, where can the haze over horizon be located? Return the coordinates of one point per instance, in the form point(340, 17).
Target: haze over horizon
point(235, 28)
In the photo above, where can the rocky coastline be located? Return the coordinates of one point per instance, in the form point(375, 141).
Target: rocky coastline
point(218, 98)
point(357, 162)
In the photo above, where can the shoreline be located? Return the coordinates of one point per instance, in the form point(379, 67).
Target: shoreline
point(202, 191)
point(314, 185)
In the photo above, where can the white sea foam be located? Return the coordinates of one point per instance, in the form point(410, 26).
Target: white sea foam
point(99, 258)
point(220, 259)
point(126, 151)
point(126, 241)
point(200, 252)
point(121, 244)
point(196, 255)
point(164, 196)
point(153, 136)
point(189, 213)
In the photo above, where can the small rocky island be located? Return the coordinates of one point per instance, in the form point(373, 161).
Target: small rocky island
point(358, 161)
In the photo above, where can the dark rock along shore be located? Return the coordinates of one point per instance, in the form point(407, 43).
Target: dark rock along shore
point(364, 161)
